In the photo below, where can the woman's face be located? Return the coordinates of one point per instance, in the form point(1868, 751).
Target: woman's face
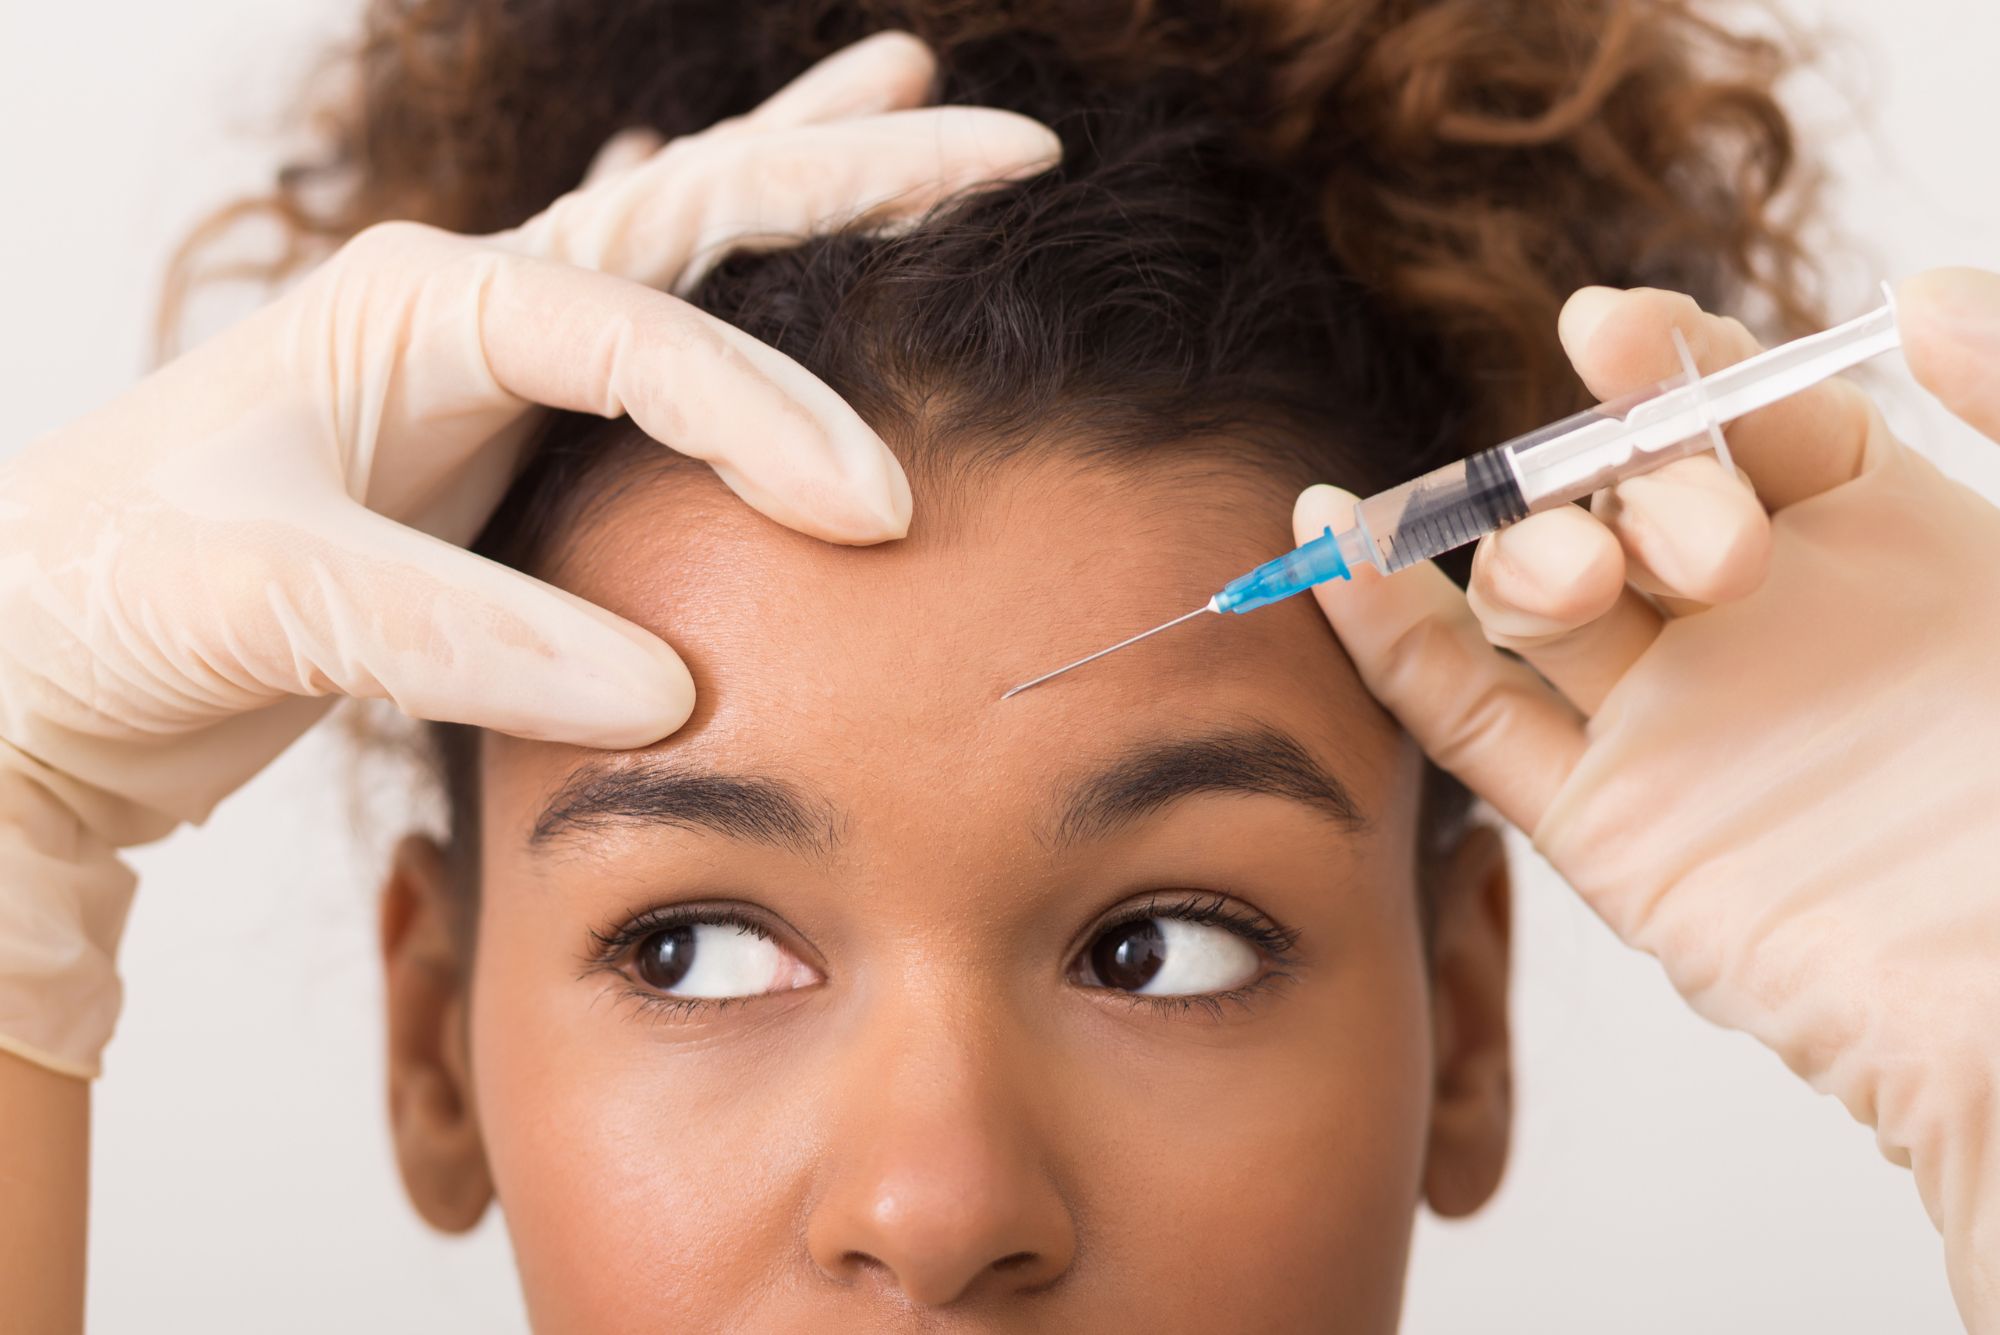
point(871, 1001)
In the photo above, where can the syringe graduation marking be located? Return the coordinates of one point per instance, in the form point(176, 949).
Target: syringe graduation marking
point(1440, 518)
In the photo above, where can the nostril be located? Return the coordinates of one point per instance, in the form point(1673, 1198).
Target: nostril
point(1029, 1272)
point(871, 1270)
point(861, 1263)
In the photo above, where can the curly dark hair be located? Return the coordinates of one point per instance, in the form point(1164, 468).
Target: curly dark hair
point(1471, 161)
point(1325, 237)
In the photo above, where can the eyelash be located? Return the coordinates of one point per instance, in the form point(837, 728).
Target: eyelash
point(1278, 945)
point(611, 947)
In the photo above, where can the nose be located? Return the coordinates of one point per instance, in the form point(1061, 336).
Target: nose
point(941, 1213)
point(939, 1187)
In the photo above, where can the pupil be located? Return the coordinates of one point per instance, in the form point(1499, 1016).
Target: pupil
point(1127, 957)
point(666, 956)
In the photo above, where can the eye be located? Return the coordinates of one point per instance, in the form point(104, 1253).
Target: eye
point(1170, 957)
point(715, 960)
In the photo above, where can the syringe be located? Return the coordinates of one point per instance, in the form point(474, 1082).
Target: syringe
point(1565, 461)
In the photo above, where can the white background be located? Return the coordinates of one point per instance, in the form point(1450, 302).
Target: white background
point(1667, 1176)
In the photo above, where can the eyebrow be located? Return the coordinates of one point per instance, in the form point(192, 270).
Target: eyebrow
point(755, 809)
point(771, 812)
point(1142, 782)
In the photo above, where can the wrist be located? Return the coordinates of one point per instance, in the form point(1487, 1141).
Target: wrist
point(64, 896)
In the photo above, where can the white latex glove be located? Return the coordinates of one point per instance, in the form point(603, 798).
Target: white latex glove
point(1780, 776)
point(274, 515)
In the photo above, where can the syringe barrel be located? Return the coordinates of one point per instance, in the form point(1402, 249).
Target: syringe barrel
point(1585, 453)
point(1445, 508)
point(1462, 502)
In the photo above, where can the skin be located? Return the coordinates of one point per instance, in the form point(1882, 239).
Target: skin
point(45, 1180)
point(951, 1126)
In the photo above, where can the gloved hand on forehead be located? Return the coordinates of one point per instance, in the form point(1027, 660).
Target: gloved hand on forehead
point(273, 515)
point(1761, 732)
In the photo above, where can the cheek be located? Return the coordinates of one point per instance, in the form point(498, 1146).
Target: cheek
point(1292, 1153)
point(645, 1185)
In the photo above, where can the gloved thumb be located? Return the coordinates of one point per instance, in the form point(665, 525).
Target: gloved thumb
point(1487, 718)
point(373, 609)
point(1950, 322)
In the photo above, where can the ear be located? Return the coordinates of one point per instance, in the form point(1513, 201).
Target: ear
point(431, 1113)
point(1472, 1112)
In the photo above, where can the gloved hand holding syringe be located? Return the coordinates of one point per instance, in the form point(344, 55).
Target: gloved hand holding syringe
point(1554, 465)
point(1770, 775)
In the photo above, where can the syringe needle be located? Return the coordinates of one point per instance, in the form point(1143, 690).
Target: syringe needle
point(1205, 607)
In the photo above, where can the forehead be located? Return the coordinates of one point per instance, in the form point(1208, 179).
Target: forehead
point(870, 669)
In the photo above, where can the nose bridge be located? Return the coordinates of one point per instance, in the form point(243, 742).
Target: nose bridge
point(940, 1061)
point(937, 1182)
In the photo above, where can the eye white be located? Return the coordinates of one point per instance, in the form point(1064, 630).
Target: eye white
point(733, 961)
point(1200, 957)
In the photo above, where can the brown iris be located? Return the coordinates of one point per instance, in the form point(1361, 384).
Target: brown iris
point(1127, 956)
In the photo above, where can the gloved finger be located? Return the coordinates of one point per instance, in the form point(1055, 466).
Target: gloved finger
point(622, 152)
point(665, 223)
point(361, 605)
point(1552, 588)
point(875, 173)
point(1950, 321)
point(886, 72)
point(774, 433)
point(1693, 533)
point(1421, 652)
point(1621, 341)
